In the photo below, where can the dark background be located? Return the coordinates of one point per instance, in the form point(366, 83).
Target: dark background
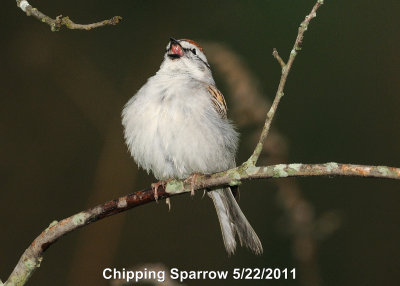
point(62, 149)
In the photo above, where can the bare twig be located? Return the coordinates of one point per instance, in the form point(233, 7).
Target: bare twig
point(285, 72)
point(32, 257)
point(59, 21)
point(279, 59)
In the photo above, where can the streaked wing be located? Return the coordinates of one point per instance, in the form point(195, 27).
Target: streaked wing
point(218, 100)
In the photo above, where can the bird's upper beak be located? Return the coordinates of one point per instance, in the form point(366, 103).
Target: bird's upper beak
point(175, 49)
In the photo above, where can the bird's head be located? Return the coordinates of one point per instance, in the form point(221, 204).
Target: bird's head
point(185, 56)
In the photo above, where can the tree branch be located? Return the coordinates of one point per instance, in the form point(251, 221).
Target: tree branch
point(32, 257)
point(59, 21)
point(285, 72)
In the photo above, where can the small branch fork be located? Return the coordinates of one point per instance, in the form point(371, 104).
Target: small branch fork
point(57, 23)
point(252, 161)
point(32, 256)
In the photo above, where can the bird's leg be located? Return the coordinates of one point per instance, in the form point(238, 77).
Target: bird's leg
point(192, 180)
point(155, 186)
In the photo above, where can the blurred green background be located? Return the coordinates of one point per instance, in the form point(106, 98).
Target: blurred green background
point(62, 149)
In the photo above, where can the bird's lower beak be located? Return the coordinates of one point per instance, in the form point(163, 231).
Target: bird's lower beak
point(175, 50)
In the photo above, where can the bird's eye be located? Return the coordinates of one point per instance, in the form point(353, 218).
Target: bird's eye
point(193, 51)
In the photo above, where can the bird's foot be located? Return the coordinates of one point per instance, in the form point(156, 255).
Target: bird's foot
point(192, 181)
point(155, 186)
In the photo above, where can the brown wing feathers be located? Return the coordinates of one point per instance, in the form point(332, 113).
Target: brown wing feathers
point(218, 100)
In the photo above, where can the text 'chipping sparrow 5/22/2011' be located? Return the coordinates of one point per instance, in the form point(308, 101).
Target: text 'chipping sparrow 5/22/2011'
point(176, 125)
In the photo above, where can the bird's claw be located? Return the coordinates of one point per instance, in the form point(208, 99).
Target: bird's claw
point(168, 202)
point(155, 186)
point(192, 180)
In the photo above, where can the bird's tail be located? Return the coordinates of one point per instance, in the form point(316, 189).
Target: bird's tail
point(232, 220)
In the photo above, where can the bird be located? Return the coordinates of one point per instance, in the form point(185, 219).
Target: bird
point(176, 125)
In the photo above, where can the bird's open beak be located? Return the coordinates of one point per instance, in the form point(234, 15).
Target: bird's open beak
point(175, 49)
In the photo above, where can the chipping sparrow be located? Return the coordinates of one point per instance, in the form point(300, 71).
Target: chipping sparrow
point(176, 125)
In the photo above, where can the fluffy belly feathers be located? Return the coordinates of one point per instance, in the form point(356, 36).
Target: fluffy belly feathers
point(175, 135)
